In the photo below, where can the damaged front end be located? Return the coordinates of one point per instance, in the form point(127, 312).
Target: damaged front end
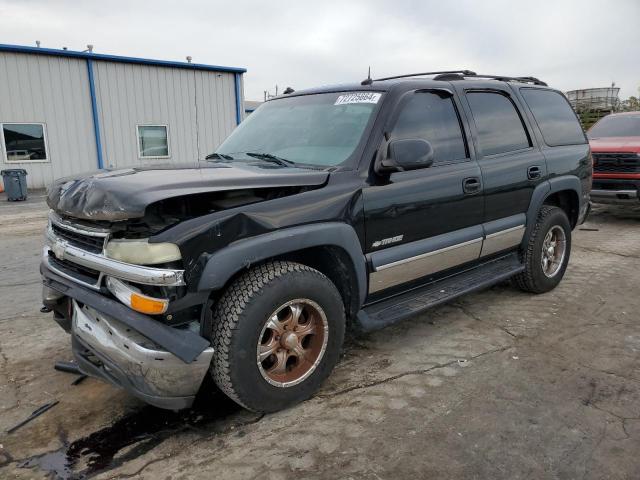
point(109, 349)
point(126, 293)
point(112, 310)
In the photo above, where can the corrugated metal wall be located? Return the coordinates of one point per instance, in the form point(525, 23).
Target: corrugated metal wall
point(216, 104)
point(198, 107)
point(53, 91)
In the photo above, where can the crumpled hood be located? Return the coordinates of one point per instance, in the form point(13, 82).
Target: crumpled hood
point(125, 193)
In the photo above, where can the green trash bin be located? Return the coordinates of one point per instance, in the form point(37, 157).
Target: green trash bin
point(15, 184)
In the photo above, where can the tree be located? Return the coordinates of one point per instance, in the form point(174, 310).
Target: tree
point(631, 104)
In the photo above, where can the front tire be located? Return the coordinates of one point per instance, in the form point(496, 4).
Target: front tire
point(546, 255)
point(277, 332)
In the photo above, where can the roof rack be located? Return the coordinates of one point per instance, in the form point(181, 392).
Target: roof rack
point(463, 72)
point(459, 75)
point(504, 78)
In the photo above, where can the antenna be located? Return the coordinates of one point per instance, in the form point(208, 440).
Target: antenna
point(368, 80)
point(38, 43)
point(189, 58)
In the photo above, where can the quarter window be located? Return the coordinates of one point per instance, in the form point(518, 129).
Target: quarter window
point(500, 128)
point(153, 141)
point(554, 116)
point(25, 142)
point(432, 117)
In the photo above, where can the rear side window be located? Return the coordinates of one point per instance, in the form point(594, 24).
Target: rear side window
point(432, 117)
point(554, 116)
point(500, 128)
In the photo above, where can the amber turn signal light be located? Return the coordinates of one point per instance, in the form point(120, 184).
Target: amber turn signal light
point(133, 298)
point(148, 305)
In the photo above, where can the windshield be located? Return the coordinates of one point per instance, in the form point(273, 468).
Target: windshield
point(320, 130)
point(619, 126)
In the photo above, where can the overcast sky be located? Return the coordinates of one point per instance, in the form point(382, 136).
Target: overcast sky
point(569, 44)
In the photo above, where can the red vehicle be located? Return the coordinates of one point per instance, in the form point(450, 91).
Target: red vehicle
point(615, 144)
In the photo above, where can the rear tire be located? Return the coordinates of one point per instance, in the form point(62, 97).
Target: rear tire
point(277, 332)
point(546, 255)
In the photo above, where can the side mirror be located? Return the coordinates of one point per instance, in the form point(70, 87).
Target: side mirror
point(407, 154)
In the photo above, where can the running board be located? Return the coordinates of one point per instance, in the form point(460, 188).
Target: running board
point(405, 305)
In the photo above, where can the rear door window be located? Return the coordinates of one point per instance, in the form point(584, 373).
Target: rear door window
point(499, 125)
point(554, 116)
point(433, 117)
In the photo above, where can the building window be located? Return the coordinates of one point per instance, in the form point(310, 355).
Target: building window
point(24, 142)
point(153, 141)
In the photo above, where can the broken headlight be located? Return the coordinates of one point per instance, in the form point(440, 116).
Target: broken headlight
point(141, 252)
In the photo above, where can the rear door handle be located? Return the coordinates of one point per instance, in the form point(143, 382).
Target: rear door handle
point(534, 172)
point(471, 185)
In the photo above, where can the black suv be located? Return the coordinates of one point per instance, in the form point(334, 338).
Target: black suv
point(358, 205)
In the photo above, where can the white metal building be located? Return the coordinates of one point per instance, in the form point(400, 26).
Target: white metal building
point(64, 112)
point(594, 98)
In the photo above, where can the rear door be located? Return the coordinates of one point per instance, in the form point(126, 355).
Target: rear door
point(421, 222)
point(510, 162)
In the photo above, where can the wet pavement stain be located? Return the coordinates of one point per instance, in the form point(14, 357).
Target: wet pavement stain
point(137, 433)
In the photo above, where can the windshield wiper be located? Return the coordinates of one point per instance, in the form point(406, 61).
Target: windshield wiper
point(271, 158)
point(218, 155)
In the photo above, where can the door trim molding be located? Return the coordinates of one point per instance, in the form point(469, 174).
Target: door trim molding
point(503, 233)
point(502, 240)
point(405, 251)
point(403, 263)
point(412, 268)
point(428, 254)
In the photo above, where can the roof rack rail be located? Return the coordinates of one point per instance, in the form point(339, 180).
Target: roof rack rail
point(449, 77)
point(459, 75)
point(463, 72)
point(505, 78)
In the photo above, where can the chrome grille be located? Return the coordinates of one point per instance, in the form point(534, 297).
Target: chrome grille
point(81, 240)
point(84, 274)
point(616, 163)
point(86, 238)
point(71, 256)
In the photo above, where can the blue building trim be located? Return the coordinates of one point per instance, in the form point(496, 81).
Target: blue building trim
point(238, 99)
point(119, 59)
point(94, 110)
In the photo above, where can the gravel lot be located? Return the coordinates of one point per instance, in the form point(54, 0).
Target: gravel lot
point(497, 385)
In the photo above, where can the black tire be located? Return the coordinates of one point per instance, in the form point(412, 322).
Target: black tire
point(533, 279)
point(239, 317)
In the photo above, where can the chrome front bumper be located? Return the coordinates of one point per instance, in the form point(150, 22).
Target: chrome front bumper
point(108, 349)
point(616, 197)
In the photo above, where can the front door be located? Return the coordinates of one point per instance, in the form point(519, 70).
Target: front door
point(424, 221)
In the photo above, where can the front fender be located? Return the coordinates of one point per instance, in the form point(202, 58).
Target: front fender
point(226, 262)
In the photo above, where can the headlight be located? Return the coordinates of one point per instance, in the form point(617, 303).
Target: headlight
point(141, 252)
